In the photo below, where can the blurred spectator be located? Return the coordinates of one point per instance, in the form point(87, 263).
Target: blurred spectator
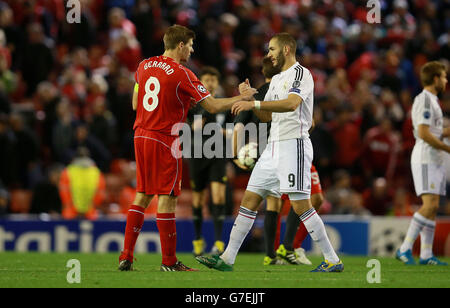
point(48, 98)
point(26, 149)
point(378, 198)
point(81, 187)
point(323, 145)
point(8, 79)
point(146, 16)
point(340, 191)
point(127, 50)
point(46, 198)
point(380, 150)
point(37, 58)
point(98, 152)
point(119, 23)
point(14, 39)
point(84, 33)
point(8, 164)
point(63, 132)
point(346, 137)
point(102, 124)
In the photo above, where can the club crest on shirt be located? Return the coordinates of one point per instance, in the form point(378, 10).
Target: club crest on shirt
point(201, 88)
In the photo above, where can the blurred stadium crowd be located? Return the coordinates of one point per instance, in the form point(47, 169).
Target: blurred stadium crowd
point(65, 86)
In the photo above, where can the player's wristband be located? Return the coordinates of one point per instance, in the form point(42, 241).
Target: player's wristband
point(257, 104)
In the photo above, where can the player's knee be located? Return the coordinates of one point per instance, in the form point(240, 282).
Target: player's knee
point(317, 200)
point(166, 204)
point(301, 206)
point(274, 204)
point(142, 200)
point(251, 200)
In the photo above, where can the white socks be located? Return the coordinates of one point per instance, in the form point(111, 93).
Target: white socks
point(314, 224)
point(242, 225)
point(425, 227)
point(426, 240)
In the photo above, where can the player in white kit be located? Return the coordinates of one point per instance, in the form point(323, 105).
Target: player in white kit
point(285, 164)
point(427, 164)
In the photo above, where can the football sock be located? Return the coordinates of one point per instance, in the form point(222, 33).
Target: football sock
point(242, 225)
point(292, 223)
point(197, 219)
point(218, 218)
point(314, 224)
point(426, 240)
point(168, 237)
point(415, 226)
point(135, 220)
point(300, 236)
point(270, 226)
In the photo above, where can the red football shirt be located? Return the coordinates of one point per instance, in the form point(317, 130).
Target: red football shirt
point(166, 92)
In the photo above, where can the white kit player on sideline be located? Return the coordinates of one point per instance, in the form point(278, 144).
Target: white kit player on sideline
point(427, 164)
point(285, 164)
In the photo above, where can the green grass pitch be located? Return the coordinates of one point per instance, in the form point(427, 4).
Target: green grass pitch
point(48, 270)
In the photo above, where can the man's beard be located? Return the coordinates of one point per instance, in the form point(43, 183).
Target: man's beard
point(280, 61)
point(440, 89)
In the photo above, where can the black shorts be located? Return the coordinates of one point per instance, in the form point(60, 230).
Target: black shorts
point(202, 171)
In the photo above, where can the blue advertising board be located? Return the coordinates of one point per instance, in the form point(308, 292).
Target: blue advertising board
point(349, 237)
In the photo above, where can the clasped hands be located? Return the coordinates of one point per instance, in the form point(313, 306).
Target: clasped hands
point(247, 92)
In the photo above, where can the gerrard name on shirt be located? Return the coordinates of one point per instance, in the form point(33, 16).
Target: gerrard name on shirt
point(164, 66)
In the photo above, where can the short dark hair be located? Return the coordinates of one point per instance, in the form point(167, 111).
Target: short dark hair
point(209, 70)
point(429, 70)
point(176, 34)
point(268, 69)
point(285, 39)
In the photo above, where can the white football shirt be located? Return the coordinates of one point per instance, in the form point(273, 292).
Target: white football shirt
point(426, 110)
point(295, 124)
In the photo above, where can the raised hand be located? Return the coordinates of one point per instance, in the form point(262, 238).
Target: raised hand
point(244, 86)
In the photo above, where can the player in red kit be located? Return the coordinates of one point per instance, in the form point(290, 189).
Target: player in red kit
point(164, 92)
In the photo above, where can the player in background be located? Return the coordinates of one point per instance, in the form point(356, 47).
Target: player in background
point(285, 164)
point(164, 92)
point(427, 164)
point(204, 171)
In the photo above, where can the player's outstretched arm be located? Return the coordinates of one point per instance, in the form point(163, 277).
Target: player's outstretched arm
point(215, 105)
point(425, 134)
point(285, 105)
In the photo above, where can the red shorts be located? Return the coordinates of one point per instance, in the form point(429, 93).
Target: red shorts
point(315, 184)
point(158, 163)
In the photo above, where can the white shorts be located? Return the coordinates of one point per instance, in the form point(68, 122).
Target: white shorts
point(429, 179)
point(283, 168)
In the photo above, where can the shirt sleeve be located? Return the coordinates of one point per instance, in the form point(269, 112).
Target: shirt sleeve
point(423, 111)
point(302, 83)
point(193, 88)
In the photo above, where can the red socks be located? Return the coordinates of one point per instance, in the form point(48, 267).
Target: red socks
point(300, 236)
point(168, 236)
point(135, 220)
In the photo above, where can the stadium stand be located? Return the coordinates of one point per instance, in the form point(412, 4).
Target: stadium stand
point(64, 85)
